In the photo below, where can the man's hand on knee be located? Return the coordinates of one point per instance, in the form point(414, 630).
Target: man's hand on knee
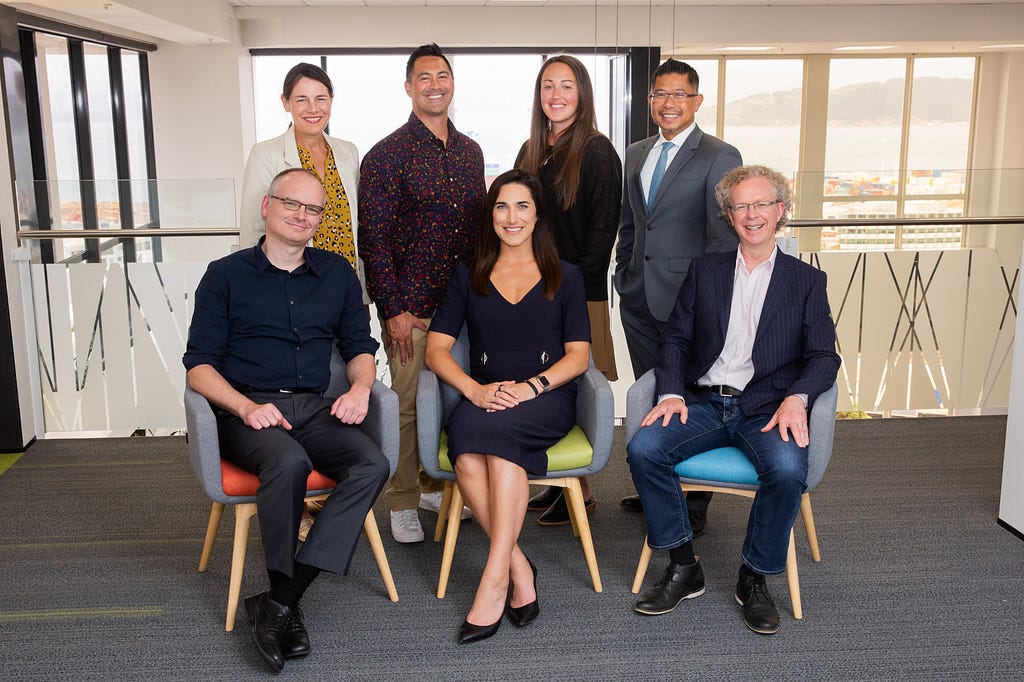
point(791, 417)
point(664, 411)
point(264, 416)
point(351, 407)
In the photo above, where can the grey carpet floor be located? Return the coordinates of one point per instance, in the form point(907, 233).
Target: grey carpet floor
point(99, 542)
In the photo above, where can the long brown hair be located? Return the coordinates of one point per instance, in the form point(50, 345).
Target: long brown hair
point(488, 245)
point(569, 145)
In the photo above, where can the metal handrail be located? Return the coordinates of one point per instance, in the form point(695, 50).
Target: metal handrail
point(129, 233)
point(905, 222)
point(233, 231)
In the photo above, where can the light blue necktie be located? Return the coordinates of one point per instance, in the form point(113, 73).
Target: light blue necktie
point(659, 173)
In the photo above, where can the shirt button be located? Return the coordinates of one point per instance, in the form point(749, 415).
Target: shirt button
point(291, 302)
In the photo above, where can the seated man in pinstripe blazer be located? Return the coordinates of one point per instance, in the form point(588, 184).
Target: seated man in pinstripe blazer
point(748, 348)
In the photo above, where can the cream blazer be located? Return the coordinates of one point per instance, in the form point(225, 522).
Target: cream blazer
point(270, 157)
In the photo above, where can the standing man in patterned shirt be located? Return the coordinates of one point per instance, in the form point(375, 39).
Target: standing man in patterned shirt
point(420, 191)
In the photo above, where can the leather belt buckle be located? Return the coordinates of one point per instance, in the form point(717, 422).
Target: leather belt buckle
point(726, 391)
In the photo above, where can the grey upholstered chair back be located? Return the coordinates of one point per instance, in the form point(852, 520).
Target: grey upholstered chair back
point(381, 425)
point(595, 413)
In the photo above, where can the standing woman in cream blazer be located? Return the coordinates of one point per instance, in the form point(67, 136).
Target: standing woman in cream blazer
point(307, 95)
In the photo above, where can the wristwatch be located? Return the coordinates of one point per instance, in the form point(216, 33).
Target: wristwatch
point(544, 383)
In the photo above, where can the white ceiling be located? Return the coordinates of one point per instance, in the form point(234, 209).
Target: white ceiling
point(601, 3)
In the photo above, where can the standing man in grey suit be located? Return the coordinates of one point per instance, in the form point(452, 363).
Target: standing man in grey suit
point(669, 217)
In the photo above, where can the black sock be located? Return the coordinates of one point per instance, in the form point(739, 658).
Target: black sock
point(748, 572)
point(290, 592)
point(683, 554)
point(277, 581)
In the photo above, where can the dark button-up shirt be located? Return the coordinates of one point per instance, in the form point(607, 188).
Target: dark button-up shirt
point(262, 327)
point(419, 212)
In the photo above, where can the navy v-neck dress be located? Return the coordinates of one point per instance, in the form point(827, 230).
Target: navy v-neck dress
point(513, 342)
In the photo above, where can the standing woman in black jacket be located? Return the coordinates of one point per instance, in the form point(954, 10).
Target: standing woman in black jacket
point(581, 177)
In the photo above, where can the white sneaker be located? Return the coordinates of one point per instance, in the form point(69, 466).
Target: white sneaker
point(432, 502)
point(405, 526)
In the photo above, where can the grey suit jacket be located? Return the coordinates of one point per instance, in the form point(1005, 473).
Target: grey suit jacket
point(655, 249)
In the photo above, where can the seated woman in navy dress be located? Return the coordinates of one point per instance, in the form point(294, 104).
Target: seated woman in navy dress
point(529, 336)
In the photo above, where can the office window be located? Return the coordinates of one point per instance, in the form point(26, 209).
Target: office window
point(762, 111)
point(707, 115)
point(94, 141)
point(886, 159)
point(375, 103)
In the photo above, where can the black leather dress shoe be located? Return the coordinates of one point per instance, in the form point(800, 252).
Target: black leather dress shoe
point(680, 582)
point(759, 612)
point(468, 632)
point(558, 513)
point(521, 615)
point(269, 625)
point(632, 503)
point(296, 639)
point(544, 499)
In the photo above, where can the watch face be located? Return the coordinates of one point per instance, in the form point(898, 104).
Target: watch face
point(543, 381)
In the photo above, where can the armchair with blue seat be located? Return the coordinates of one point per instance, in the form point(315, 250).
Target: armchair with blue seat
point(727, 470)
point(584, 451)
point(224, 483)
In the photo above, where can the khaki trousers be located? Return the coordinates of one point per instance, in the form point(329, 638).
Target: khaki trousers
point(403, 490)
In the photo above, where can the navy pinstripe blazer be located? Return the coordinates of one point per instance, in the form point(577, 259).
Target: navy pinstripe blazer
point(794, 347)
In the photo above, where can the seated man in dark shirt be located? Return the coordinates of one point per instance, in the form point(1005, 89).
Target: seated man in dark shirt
point(259, 349)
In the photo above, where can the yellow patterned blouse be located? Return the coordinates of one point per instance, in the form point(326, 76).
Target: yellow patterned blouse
point(335, 231)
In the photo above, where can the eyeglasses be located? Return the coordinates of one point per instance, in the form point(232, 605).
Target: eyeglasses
point(677, 96)
point(292, 205)
point(758, 206)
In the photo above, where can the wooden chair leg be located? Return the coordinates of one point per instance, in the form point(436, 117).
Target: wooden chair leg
point(793, 578)
point(812, 534)
point(571, 504)
point(641, 567)
point(373, 535)
point(451, 535)
point(578, 510)
point(243, 517)
point(442, 514)
point(211, 534)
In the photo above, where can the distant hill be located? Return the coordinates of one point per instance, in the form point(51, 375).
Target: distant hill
point(861, 104)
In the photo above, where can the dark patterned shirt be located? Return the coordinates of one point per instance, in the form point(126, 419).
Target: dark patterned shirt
point(419, 212)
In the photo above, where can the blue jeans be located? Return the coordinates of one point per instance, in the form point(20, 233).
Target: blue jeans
point(781, 466)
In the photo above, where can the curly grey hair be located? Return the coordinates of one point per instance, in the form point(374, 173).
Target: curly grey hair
point(780, 185)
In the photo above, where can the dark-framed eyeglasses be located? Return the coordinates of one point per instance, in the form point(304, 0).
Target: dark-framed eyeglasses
point(757, 206)
point(292, 205)
point(660, 96)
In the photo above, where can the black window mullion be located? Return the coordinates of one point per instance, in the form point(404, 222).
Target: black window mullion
point(83, 137)
point(40, 189)
point(147, 131)
point(122, 163)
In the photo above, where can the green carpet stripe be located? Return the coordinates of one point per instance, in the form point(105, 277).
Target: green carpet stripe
point(83, 465)
point(108, 543)
point(6, 461)
point(66, 614)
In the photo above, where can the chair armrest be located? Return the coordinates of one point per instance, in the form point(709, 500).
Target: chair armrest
point(429, 413)
point(639, 401)
point(204, 445)
point(381, 422)
point(595, 413)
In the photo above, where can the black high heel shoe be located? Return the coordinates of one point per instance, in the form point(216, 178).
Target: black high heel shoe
point(521, 615)
point(474, 633)
point(468, 632)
